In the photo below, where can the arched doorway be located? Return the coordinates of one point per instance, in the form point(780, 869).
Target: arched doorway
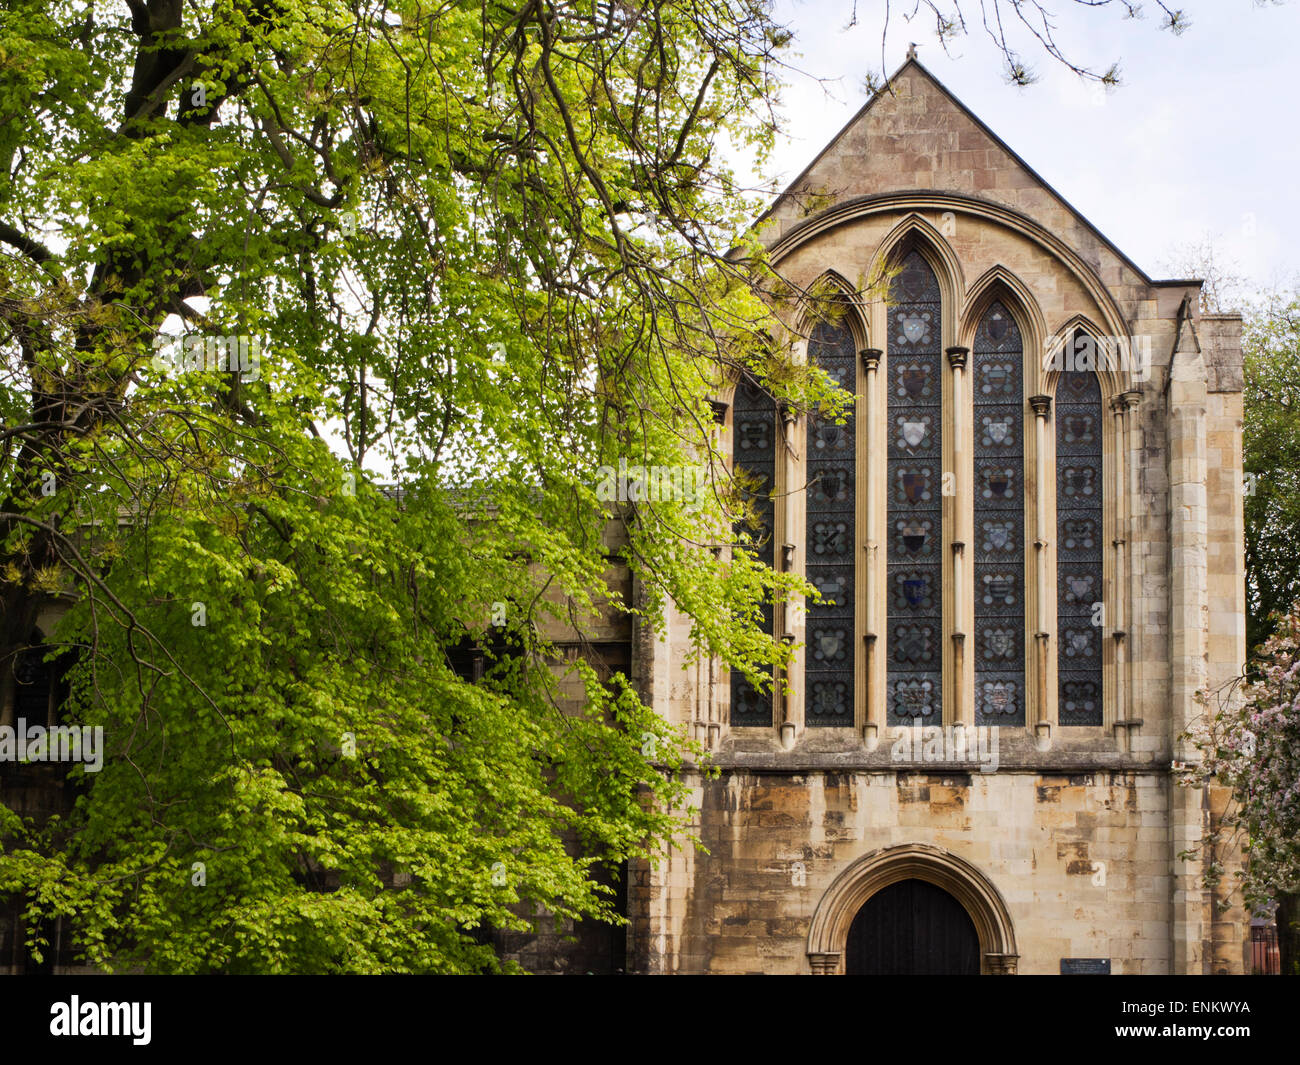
point(871, 874)
point(912, 928)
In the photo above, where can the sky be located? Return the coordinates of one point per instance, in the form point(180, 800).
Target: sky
point(1201, 141)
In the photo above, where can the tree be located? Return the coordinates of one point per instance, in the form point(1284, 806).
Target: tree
point(1271, 450)
point(1013, 25)
point(262, 257)
point(1260, 757)
point(1253, 745)
point(1270, 427)
point(474, 249)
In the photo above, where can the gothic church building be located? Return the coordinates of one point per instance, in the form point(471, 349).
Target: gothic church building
point(1028, 538)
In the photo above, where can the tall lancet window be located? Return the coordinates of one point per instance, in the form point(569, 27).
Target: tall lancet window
point(999, 520)
point(1078, 551)
point(753, 440)
point(914, 516)
point(831, 539)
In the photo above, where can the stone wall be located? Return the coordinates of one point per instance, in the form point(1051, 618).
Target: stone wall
point(1081, 861)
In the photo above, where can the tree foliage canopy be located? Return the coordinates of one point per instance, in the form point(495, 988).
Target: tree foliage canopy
point(1251, 743)
point(1271, 449)
point(470, 249)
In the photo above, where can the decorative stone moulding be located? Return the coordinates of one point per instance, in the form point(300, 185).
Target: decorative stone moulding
point(847, 894)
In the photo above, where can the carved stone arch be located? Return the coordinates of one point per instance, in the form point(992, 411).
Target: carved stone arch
point(723, 402)
point(1000, 284)
point(921, 861)
point(855, 315)
point(726, 393)
point(916, 233)
point(938, 202)
point(1113, 381)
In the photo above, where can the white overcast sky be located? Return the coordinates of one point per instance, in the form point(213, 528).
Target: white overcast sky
point(1201, 139)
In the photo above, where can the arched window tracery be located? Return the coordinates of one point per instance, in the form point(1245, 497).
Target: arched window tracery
point(987, 434)
point(999, 519)
point(1079, 530)
point(831, 539)
point(753, 442)
point(914, 516)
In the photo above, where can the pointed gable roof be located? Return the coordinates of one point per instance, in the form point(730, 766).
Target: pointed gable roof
point(915, 135)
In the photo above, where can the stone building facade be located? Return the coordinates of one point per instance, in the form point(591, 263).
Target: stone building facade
point(1033, 524)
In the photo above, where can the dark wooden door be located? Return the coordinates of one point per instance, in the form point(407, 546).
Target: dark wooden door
point(912, 928)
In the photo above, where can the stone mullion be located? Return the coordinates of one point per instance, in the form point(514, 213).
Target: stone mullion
point(788, 511)
point(867, 483)
point(1133, 719)
point(1044, 711)
point(1120, 543)
point(957, 359)
point(716, 714)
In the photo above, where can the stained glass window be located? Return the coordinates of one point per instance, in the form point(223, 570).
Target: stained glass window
point(1079, 427)
point(754, 451)
point(913, 514)
point(831, 552)
point(999, 520)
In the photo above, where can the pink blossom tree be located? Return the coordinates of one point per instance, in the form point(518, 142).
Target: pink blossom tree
point(1252, 744)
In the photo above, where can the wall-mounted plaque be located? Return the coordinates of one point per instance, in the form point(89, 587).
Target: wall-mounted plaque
point(1085, 966)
